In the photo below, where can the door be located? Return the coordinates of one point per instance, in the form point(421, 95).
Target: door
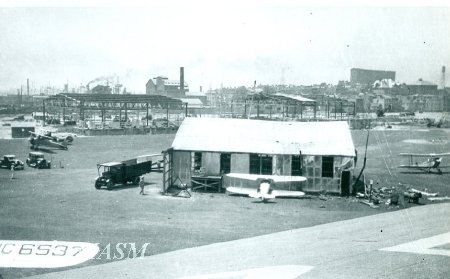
point(345, 183)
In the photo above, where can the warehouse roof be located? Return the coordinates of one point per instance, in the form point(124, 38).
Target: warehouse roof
point(421, 82)
point(280, 97)
point(295, 97)
point(264, 137)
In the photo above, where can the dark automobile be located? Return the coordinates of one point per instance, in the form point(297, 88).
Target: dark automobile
point(10, 160)
point(37, 160)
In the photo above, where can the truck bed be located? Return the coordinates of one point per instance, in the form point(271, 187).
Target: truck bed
point(133, 170)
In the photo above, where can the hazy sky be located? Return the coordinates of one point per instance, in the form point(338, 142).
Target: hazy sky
point(229, 44)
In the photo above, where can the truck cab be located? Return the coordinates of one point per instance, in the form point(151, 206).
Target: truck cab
point(109, 174)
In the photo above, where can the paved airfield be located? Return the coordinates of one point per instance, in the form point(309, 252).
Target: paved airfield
point(411, 243)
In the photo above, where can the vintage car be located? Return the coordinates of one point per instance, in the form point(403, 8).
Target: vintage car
point(37, 160)
point(9, 160)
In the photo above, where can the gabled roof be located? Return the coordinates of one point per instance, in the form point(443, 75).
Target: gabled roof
point(295, 97)
point(264, 137)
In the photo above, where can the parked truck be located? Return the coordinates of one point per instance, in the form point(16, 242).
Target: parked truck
point(129, 171)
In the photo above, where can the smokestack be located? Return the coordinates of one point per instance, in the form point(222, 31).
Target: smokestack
point(443, 77)
point(182, 81)
point(200, 88)
point(28, 87)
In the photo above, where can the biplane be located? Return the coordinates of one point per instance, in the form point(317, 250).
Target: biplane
point(265, 190)
point(433, 161)
point(37, 140)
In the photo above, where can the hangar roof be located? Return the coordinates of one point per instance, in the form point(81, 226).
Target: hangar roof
point(101, 100)
point(264, 137)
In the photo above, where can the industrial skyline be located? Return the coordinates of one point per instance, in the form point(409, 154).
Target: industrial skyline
point(219, 44)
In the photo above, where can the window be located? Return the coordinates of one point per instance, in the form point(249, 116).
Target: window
point(225, 163)
point(266, 164)
point(260, 164)
point(254, 164)
point(296, 165)
point(327, 166)
point(197, 161)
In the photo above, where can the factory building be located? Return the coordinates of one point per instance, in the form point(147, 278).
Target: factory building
point(422, 87)
point(206, 149)
point(161, 85)
point(364, 76)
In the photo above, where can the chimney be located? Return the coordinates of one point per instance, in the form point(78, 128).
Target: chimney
point(28, 87)
point(443, 77)
point(182, 81)
point(200, 88)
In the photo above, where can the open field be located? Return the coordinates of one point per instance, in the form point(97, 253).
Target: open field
point(62, 204)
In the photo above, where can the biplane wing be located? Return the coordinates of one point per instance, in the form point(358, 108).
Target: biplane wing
point(257, 193)
point(266, 182)
point(425, 154)
point(273, 178)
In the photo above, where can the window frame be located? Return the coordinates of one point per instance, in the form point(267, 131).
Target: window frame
point(328, 166)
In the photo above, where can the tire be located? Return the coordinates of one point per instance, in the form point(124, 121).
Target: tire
point(136, 180)
point(109, 185)
point(97, 185)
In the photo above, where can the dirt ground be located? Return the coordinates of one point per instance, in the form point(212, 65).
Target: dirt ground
point(62, 203)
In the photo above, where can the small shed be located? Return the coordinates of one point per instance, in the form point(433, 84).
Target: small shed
point(323, 152)
point(21, 132)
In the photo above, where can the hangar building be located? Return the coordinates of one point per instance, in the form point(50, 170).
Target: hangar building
point(204, 149)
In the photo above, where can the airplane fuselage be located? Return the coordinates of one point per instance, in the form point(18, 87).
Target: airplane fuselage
point(264, 191)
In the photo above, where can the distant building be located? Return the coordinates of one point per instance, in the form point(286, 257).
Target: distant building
point(446, 100)
point(364, 76)
point(422, 87)
point(197, 95)
point(163, 86)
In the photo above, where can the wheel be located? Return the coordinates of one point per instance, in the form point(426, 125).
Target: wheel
point(97, 185)
point(136, 180)
point(109, 185)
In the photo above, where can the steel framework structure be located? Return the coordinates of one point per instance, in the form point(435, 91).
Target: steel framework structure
point(106, 102)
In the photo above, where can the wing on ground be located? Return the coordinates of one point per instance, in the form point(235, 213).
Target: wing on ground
point(241, 191)
point(288, 194)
